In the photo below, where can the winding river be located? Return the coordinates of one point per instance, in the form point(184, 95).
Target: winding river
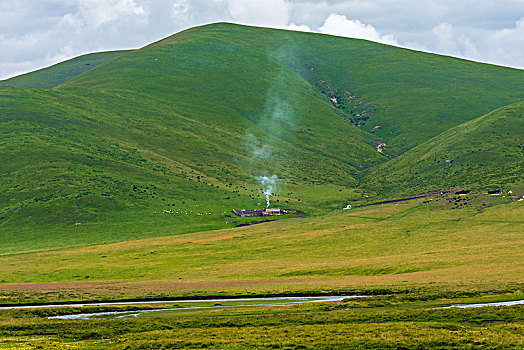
point(502, 303)
point(238, 302)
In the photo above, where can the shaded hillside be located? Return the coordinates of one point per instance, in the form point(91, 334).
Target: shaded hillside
point(60, 175)
point(486, 154)
point(57, 74)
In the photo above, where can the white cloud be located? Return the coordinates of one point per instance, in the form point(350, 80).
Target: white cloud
point(98, 12)
point(510, 33)
point(260, 12)
point(340, 25)
point(67, 29)
point(181, 7)
point(450, 41)
point(503, 46)
point(34, 34)
point(297, 28)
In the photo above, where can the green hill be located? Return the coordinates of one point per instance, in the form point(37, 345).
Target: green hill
point(403, 97)
point(57, 74)
point(170, 138)
point(486, 153)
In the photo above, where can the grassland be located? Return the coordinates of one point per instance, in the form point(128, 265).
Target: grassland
point(117, 181)
point(455, 243)
point(412, 257)
point(388, 322)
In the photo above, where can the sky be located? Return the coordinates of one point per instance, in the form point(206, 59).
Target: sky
point(38, 33)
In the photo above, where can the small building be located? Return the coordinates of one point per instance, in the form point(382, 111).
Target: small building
point(249, 212)
point(263, 212)
point(272, 211)
point(462, 192)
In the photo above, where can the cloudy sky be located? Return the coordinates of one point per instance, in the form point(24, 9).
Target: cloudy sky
point(37, 33)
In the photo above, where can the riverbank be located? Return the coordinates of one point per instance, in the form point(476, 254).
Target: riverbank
point(409, 320)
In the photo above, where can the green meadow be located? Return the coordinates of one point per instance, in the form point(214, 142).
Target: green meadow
point(412, 258)
point(382, 323)
point(451, 242)
point(203, 114)
point(119, 172)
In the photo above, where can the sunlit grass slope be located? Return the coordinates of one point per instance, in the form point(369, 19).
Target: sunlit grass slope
point(486, 153)
point(59, 73)
point(402, 246)
point(59, 172)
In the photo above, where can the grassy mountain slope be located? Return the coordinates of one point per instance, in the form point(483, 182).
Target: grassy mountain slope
point(78, 157)
point(60, 174)
point(404, 97)
point(101, 175)
point(486, 153)
point(188, 124)
point(57, 74)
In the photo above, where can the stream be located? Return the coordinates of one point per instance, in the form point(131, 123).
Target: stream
point(238, 302)
point(502, 303)
point(242, 302)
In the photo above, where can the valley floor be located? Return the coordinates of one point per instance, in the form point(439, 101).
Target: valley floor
point(412, 258)
point(399, 321)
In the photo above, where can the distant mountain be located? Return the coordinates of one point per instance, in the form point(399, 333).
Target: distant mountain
point(60, 73)
point(197, 121)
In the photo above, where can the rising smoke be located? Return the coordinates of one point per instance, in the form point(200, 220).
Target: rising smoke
point(277, 120)
point(269, 184)
point(263, 162)
point(274, 124)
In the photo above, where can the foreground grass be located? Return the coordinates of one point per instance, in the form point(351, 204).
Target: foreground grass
point(385, 322)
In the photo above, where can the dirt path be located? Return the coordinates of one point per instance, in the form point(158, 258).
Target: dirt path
point(431, 194)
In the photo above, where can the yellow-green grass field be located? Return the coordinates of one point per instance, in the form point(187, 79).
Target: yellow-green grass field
point(412, 258)
point(398, 246)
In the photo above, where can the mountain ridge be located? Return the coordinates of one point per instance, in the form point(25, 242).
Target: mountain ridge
point(54, 75)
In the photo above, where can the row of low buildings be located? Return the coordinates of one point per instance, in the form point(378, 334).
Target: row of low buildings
point(260, 212)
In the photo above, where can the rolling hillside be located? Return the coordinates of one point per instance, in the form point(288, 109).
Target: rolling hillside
point(170, 138)
point(484, 154)
point(403, 97)
point(59, 73)
point(119, 172)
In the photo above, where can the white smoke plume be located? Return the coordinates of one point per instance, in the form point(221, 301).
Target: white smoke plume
point(260, 150)
point(269, 183)
point(276, 122)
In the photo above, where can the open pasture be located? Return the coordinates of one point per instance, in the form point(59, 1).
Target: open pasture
point(398, 246)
